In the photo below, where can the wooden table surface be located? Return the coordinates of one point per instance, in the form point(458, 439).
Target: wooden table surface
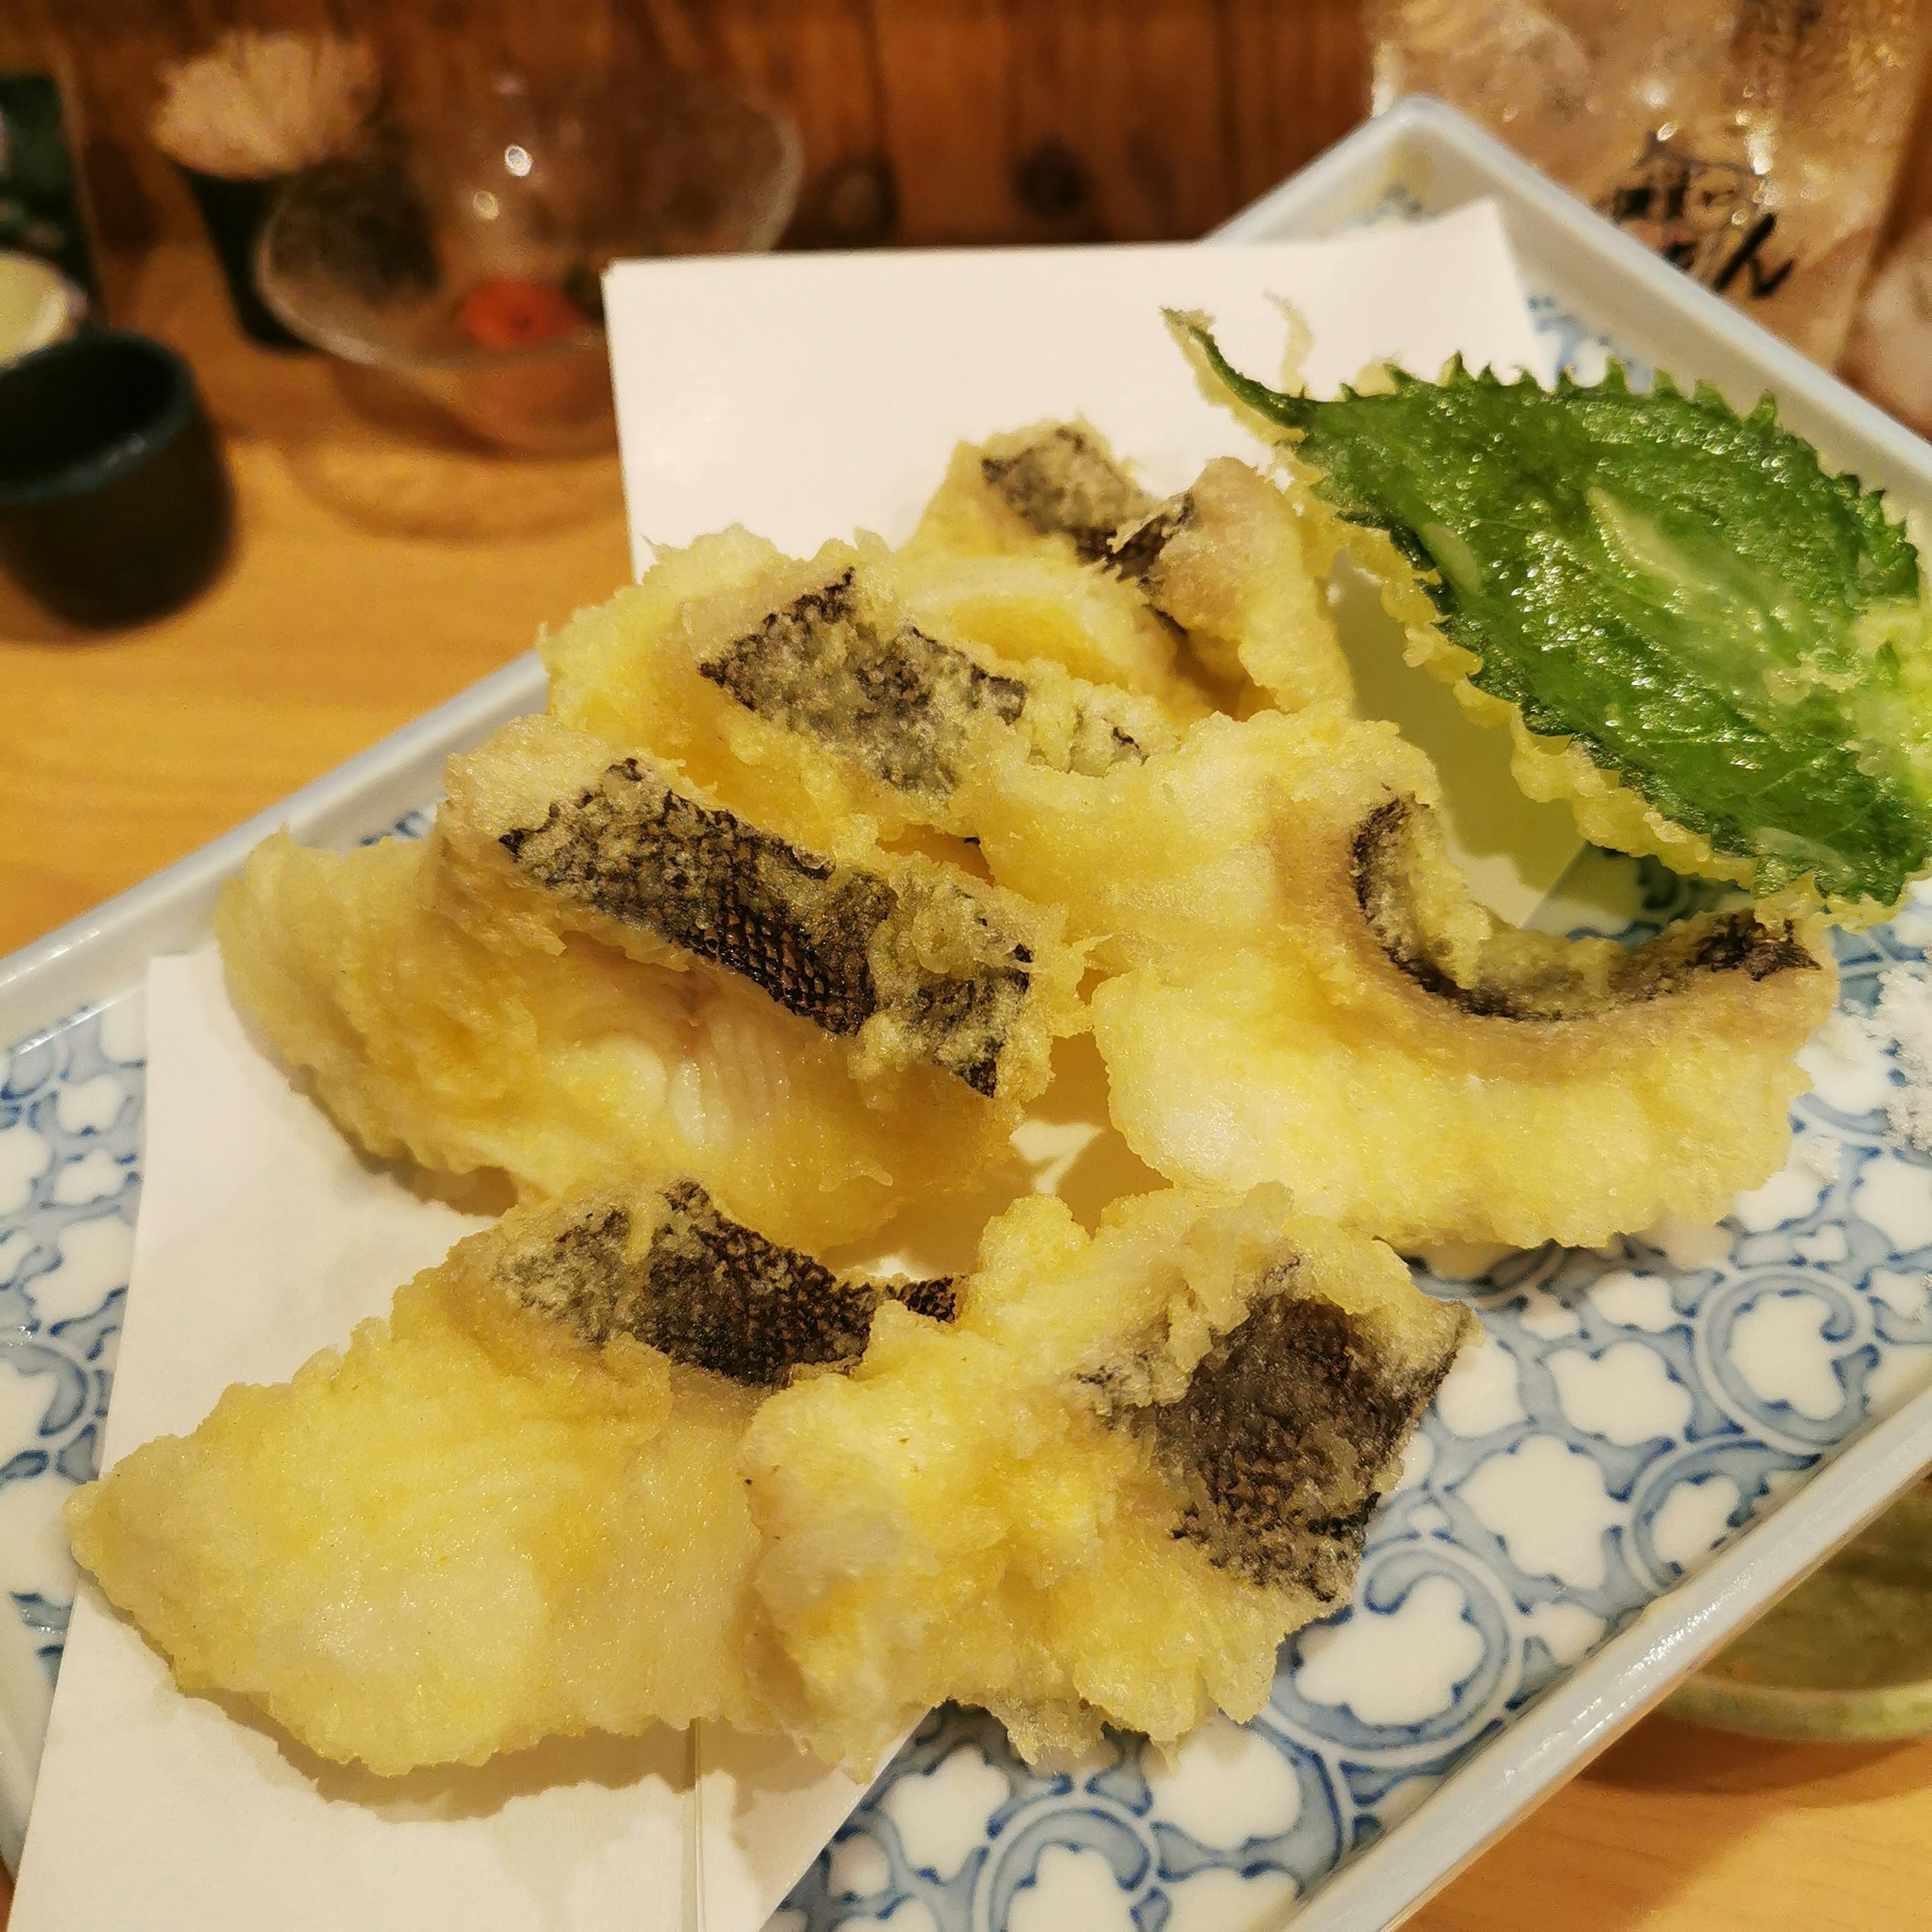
point(379, 570)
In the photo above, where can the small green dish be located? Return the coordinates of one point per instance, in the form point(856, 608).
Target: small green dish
point(1846, 1656)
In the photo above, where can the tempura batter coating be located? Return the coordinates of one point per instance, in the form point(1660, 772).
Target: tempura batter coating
point(1105, 1492)
point(804, 694)
point(544, 834)
point(465, 1044)
point(1317, 999)
point(627, 670)
point(1012, 551)
point(1222, 569)
point(511, 1510)
point(1042, 604)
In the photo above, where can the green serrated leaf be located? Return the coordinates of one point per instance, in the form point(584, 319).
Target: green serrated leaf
point(1682, 591)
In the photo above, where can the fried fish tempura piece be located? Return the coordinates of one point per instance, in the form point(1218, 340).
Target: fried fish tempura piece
point(544, 834)
point(805, 693)
point(1316, 998)
point(859, 685)
point(1133, 1464)
point(1012, 552)
point(1225, 563)
point(511, 1510)
point(639, 981)
point(1043, 605)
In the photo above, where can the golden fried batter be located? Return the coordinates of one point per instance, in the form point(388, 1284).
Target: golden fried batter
point(586, 970)
point(620, 1461)
point(805, 694)
point(1042, 604)
point(1225, 564)
point(511, 1510)
point(1105, 1492)
point(1053, 488)
point(543, 833)
point(1317, 999)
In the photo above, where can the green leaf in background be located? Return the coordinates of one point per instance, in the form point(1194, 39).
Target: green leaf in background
point(1682, 593)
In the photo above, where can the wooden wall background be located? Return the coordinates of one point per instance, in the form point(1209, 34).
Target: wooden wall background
point(924, 121)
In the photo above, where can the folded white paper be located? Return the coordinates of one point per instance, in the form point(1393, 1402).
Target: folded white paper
point(804, 395)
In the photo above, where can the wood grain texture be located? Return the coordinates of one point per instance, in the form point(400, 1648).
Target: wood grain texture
point(927, 121)
point(1678, 1830)
point(998, 120)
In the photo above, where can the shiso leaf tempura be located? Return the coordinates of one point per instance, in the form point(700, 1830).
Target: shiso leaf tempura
point(1716, 650)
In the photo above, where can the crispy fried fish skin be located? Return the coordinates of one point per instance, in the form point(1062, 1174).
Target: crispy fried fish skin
point(805, 694)
point(1106, 1491)
point(544, 832)
point(560, 1059)
point(511, 1510)
point(1013, 553)
point(1343, 1016)
point(1225, 564)
point(1228, 562)
point(627, 670)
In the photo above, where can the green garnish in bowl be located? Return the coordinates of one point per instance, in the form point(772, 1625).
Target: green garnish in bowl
point(1714, 649)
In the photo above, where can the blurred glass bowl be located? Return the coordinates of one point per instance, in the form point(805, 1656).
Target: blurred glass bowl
point(463, 259)
point(1846, 1656)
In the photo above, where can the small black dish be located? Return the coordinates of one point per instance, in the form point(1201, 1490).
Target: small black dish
point(114, 502)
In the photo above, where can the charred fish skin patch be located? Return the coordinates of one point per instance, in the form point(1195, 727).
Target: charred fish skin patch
point(900, 702)
point(1063, 483)
point(1737, 941)
point(903, 705)
point(709, 1293)
point(961, 1022)
point(836, 945)
point(1733, 942)
point(1279, 1438)
point(795, 926)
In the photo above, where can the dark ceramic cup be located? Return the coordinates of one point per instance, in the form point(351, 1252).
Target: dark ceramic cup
point(114, 504)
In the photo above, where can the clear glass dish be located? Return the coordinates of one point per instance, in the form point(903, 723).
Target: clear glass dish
point(461, 256)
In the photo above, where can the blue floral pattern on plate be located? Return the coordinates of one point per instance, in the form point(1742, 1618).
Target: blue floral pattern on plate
point(70, 1105)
